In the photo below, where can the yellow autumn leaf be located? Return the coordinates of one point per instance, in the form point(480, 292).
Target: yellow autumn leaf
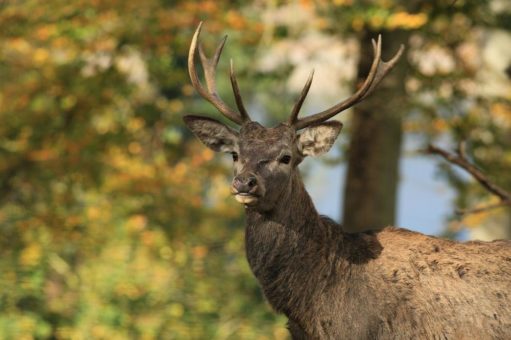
point(501, 112)
point(42, 155)
point(406, 20)
point(45, 31)
point(19, 45)
point(342, 2)
point(31, 255)
point(176, 310)
point(40, 56)
point(137, 222)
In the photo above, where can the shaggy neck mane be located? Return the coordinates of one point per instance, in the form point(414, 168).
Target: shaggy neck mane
point(294, 209)
point(291, 219)
point(292, 249)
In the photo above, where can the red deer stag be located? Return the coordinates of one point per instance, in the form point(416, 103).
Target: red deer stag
point(386, 284)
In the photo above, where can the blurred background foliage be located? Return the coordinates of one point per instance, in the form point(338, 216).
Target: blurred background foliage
point(117, 224)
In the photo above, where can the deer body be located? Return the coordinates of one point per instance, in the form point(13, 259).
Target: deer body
point(391, 284)
point(387, 284)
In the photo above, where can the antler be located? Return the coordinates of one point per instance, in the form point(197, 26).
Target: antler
point(379, 69)
point(299, 102)
point(209, 67)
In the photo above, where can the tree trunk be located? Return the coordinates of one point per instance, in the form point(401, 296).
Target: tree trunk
point(373, 155)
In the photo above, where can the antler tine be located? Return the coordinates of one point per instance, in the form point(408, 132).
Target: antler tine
point(237, 95)
point(209, 67)
point(379, 69)
point(299, 102)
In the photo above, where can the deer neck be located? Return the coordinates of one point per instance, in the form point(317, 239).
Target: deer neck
point(293, 209)
point(290, 227)
point(297, 255)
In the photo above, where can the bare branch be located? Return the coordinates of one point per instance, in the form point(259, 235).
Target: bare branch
point(461, 161)
point(462, 212)
point(461, 150)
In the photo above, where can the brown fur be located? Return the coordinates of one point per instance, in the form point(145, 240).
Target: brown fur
point(387, 284)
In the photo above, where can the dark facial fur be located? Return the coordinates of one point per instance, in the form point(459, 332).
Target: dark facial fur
point(270, 155)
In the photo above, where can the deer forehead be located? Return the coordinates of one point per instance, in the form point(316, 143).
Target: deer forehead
point(255, 134)
point(259, 140)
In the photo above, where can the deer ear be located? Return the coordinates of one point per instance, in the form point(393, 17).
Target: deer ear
point(317, 139)
point(212, 133)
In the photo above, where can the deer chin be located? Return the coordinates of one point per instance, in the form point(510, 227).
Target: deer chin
point(246, 199)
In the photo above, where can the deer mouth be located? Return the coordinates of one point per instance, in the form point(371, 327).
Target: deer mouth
point(246, 198)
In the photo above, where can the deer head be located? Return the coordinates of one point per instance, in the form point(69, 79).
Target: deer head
point(265, 159)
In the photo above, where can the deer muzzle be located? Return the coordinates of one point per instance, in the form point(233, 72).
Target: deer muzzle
point(244, 188)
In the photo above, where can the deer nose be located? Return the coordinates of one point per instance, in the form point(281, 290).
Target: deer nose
point(244, 183)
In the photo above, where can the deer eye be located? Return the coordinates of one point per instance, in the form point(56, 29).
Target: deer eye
point(285, 159)
point(234, 156)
